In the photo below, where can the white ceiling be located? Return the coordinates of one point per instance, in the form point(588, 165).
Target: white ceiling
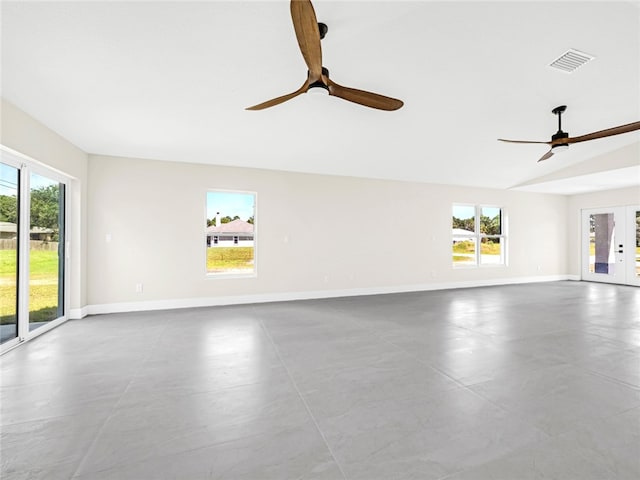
point(170, 81)
point(592, 182)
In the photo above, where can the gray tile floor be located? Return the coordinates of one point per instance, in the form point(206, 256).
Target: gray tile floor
point(515, 382)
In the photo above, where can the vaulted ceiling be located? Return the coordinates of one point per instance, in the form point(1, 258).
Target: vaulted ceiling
point(171, 80)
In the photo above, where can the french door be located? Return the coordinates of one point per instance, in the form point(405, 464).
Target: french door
point(32, 249)
point(611, 245)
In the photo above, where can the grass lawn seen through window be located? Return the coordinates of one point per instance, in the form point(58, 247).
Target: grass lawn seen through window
point(230, 260)
point(43, 285)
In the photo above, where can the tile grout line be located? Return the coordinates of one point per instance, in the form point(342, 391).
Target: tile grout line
point(116, 404)
point(446, 375)
point(304, 402)
point(606, 377)
point(456, 381)
point(405, 351)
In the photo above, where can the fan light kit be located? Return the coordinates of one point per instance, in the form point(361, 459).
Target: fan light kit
point(561, 140)
point(318, 91)
point(309, 33)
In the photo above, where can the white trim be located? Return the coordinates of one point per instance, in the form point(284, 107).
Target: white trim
point(308, 295)
point(477, 237)
point(78, 313)
point(632, 277)
point(624, 234)
point(10, 345)
point(52, 172)
point(46, 327)
point(24, 250)
point(28, 166)
point(225, 275)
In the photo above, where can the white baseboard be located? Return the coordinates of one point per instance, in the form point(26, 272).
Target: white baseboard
point(306, 295)
point(77, 313)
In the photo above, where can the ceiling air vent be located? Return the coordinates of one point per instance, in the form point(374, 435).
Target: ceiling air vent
point(570, 60)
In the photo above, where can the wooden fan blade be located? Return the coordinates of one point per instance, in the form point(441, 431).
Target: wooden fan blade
point(521, 141)
point(361, 97)
point(546, 156)
point(308, 35)
point(282, 99)
point(629, 127)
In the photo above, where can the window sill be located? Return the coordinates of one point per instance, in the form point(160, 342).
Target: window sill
point(468, 267)
point(230, 275)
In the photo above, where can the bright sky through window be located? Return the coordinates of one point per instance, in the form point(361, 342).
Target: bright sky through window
point(464, 211)
point(230, 203)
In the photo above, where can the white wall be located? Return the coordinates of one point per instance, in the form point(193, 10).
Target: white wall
point(624, 157)
point(345, 235)
point(605, 198)
point(22, 133)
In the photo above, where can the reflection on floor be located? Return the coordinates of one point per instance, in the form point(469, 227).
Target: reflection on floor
point(523, 381)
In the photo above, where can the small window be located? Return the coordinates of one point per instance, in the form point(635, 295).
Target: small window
point(478, 236)
point(230, 235)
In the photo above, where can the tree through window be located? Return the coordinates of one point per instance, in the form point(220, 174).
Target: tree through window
point(478, 235)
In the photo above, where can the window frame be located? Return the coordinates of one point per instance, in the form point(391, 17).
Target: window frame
point(478, 236)
point(229, 275)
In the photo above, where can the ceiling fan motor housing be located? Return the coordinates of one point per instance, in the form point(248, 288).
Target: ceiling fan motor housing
point(319, 83)
point(559, 136)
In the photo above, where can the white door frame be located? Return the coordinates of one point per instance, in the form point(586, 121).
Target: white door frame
point(622, 255)
point(633, 257)
point(26, 166)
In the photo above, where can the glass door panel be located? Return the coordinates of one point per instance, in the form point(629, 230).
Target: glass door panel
point(9, 189)
point(633, 242)
point(611, 245)
point(46, 251)
point(32, 249)
point(636, 244)
point(602, 257)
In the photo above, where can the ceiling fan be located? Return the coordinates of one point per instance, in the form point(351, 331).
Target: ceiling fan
point(561, 140)
point(309, 32)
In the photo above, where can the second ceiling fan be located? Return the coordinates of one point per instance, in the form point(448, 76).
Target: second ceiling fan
point(308, 33)
point(561, 140)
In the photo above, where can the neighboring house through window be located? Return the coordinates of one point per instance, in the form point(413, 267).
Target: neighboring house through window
point(230, 235)
point(478, 235)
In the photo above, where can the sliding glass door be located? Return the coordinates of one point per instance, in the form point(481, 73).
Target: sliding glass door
point(9, 194)
point(46, 251)
point(32, 249)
